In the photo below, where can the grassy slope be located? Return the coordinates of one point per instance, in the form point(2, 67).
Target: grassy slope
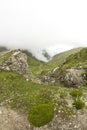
point(61, 58)
point(38, 66)
point(77, 59)
point(35, 65)
point(21, 95)
point(5, 55)
point(24, 96)
point(74, 60)
point(17, 93)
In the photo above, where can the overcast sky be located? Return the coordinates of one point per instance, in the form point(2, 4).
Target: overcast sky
point(56, 25)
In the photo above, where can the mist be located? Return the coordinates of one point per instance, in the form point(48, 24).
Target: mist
point(54, 25)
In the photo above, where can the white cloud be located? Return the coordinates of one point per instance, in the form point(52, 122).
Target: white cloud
point(39, 24)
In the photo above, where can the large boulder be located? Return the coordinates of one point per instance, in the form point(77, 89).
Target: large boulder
point(17, 63)
point(75, 77)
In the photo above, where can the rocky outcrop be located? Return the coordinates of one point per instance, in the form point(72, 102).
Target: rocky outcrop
point(75, 76)
point(50, 77)
point(17, 63)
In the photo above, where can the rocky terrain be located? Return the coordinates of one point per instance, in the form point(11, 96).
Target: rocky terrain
point(16, 62)
point(56, 99)
point(73, 72)
point(10, 119)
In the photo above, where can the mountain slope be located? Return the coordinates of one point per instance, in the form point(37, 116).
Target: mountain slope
point(73, 71)
point(46, 106)
point(59, 59)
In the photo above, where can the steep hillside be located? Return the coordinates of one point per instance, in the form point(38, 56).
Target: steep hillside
point(73, 71)
point(34, 64)
point(38, 66)
point(59, 59)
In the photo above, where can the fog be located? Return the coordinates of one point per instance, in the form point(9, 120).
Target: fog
point(54, 25)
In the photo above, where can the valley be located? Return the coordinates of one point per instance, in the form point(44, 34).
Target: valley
point(37, 95)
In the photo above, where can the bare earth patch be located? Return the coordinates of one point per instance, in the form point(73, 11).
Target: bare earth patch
point(11, 120)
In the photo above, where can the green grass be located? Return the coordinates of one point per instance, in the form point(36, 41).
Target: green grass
point(40, 67)
point(5, 55)
point(21, 92)
point(59, 59)
point(79, 104)
point(37, 101)
point(76, 93)
point(78, 59)
point(75, 60)
point(35, 65)
point(23, 96)
point(41, 114)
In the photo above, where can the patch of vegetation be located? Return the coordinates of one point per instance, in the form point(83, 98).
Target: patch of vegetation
point(4, 56)
point(19, 94)
point(60, 59)
point(39, 67)
point(77, 59)
point(79, 104)
point(76, 93)
point(63, 94)
point(37, 101)
point(35, 65)
point(41, 114)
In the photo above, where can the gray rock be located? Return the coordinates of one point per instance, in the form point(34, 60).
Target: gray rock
point(17, 63)
point(74, 76)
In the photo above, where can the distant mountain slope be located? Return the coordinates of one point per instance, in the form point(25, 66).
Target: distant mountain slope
point(38, 66)
point(60, 58)
point(72, 72)
point(34, 64)
point(77, 59)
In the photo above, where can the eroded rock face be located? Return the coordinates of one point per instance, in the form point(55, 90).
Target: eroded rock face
point(17, 63)
point(75, 76)
point(50, 77)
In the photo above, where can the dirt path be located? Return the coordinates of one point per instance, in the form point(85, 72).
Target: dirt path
point(11, 120)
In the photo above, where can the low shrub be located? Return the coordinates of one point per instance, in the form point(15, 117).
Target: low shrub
point(79, 104)
point(76, 93)
point(41, 114)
